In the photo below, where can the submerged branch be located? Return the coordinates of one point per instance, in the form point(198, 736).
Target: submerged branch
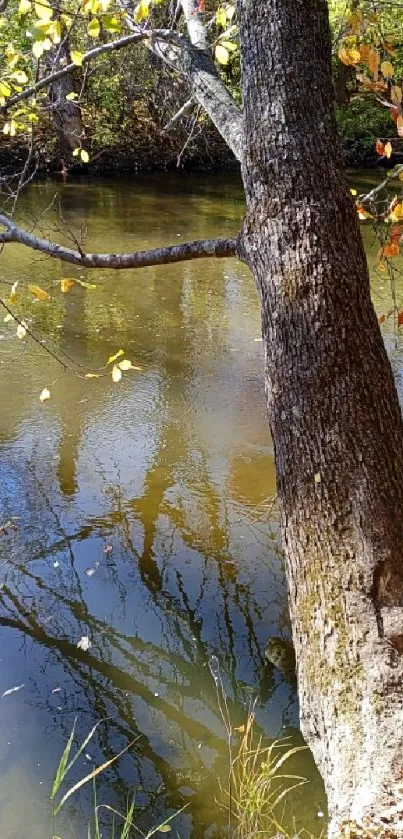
point(158, 256)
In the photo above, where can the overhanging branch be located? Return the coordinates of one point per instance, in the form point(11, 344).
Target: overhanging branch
point(158, 256)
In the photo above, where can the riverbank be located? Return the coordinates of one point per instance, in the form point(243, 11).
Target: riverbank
point(143, 145)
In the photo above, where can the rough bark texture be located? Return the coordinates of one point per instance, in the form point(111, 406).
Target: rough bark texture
point(333, 412)
point(66, 114)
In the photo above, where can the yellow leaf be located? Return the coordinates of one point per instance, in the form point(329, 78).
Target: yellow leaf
point(20, 77)
point(94, 28)
point(13, 292)
point(125, 364)
point(38, 48)
point(92, 376)
point(38, 292)
point(71, 96)
point(116, 374)
point(84, 284)
point(397, 212)
point(240, 728)
point(221, 17)
point(66, 285)
point(354, 56)
point(387, 69)
point(396, 94)
point(5, 89)
point(141, 11)
point(56, 32)
point(353, 191)
point(84, 156)
point(373, 62)
point(43, 10)
point(24, 7)
point(77, 57)
point(388, 150)
point(113, 358)
point(221, 54)
point(21, 330)
point(45, 395)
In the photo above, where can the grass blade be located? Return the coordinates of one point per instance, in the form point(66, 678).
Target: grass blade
point(61, 769)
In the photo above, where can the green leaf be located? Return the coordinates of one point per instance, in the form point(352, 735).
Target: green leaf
point(221, 54)
point(77, 58)
point(94, 28)
point(141, 11)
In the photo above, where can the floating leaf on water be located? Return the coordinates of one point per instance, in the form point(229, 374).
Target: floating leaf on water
point(21, 330)
point(84, 643)
point(84, 284)
point(13, 292)
point(92, 376)
point(113, 358)
point(8, 318)
point(125, 364)
point(66, 285)
point(38, 292)
point(107, 549)
point(116, 374)
point(12, 690)
point(56, 690)
point(90, 572)
point(45, 394)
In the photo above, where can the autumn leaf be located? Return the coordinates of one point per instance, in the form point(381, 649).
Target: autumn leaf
point(116, 374)
point(21, 330)
point(221, 54)
point(382, 319)
point(92, 376)
point(45, 394)
point(66, 285)
point(373, 62)
point(94, 28)
point(125, 364)
point(399, 125)
point(38, 292)
point(400, 319)
point(396, 94)
point(13, 292)
point(113, 358)
point(380, 147)
point(387, 69)
point(388, 150)
point(391, 249)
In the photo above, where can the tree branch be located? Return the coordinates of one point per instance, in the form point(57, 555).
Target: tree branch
point(140, 259)
point(135, 37)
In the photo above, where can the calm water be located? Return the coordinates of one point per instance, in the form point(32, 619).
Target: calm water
point(143, 519)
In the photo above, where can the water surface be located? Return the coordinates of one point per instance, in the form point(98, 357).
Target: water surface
point(142, 515)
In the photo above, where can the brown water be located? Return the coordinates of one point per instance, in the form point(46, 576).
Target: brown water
point(158, 487)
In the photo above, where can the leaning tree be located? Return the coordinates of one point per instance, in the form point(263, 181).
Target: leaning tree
point(332, 404)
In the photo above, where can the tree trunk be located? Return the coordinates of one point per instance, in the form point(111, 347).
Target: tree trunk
point(333, 412)
point(66, 114)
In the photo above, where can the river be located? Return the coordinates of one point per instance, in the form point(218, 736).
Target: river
point(140, 515)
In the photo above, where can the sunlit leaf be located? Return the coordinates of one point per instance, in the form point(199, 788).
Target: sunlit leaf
point(94, 28)
point(77, 57)
point(113, 358)
point(45, 394)
point(12, 690)
point(116, 373)
point(141, 11)
point(43, 10)
point(84, 643)
point(388, 150)
point(8, 318)
point(84, 156)
point(92, 375)
point(221, 54)
point(111, 23)
point(38, 292)
point(24, 7)
point(399, 125)
point(21, 330)
point(221, 17)
point(84, 284)
point(71, 96)
point(38, 48)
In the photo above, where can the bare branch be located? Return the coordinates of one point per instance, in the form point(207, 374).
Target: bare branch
point(179, 114)
point(140, 259)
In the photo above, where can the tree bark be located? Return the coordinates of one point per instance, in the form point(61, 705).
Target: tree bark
point(66, 114)
point(333, 412)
